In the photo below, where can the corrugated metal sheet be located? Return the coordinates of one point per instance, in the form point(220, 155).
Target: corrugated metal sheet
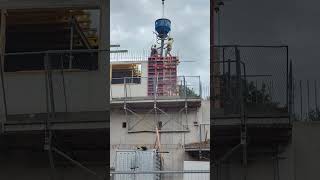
point(136, 160)
point(196, 165)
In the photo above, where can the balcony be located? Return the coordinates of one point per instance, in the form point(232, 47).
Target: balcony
point(67, 96)
point(167, 92)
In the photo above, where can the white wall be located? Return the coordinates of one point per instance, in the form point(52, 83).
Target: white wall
point(196, 165)
point(171, 142)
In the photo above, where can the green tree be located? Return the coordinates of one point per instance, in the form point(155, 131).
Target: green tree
point(257, 96)
point(184, 90)
point(313, 115)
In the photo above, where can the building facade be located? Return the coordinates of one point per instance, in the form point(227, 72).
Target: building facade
point(181, 115)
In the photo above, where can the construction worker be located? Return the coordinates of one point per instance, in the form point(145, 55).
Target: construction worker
point(154, 50)
point(169, 46)
point(143, 148)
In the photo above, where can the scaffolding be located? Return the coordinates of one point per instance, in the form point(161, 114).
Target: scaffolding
point(47, 34)
point(165, 92)
point(248, 112)
point(138, 109)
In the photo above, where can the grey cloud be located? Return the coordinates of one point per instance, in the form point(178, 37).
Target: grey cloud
point(190, 29)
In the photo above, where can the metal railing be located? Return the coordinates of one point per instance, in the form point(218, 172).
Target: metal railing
point(161, 175)
point(46, 90)
point(135, 56)
point(178, 87)
point(205, 91)
point(38, 83)
point(263, 73)
point(204, 132)
point(306, 100)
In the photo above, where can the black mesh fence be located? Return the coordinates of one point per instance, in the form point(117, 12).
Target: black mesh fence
point(306, 100)
point(260, 73)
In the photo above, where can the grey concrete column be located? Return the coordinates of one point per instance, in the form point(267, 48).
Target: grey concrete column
point(104, 38)
point(3, 109)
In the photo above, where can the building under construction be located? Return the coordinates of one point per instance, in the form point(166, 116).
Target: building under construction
point(156, 111)
point(54, 100)
point(56, 119)
point(251, 120)
point(255, 130)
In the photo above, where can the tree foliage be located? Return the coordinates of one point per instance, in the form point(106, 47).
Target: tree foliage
point(257, 96)
point(184, 90)
point(313, 115)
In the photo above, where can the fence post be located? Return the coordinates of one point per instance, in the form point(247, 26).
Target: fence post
point(50, 84)
point(185, 87)
point(316, 95)
point(293, 97)
point(71, 42)
point(2, 44)
point(125, 88)
point(308, 99)
point(287, 69)
point(240, 103)
point(301, 115)
point(229, 95)
point(200, 87)
point(290, 92)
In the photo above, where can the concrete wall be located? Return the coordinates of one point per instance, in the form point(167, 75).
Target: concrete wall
point(26, 92)
point(121, 139)
point(260, 168)
point(86, 91)
point(306, 150)
point(35, 166)
point(170, 142)
point(299, 161)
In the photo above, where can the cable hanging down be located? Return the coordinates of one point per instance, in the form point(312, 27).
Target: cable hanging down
point(162, 8)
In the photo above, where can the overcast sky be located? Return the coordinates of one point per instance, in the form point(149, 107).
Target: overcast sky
point(132, 26)
point(286, 22)
point(279, 22)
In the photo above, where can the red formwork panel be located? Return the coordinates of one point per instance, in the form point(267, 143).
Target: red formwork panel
point(165, 70)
